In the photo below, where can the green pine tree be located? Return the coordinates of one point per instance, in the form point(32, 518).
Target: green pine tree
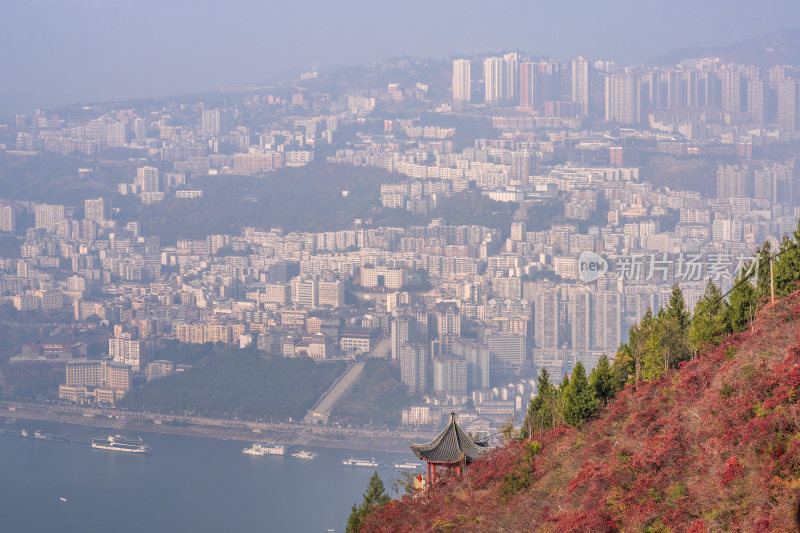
point(676, 308)
point(602, 381)
point(787, 266)
point(763, 253)
point(542, 408)
point(624, 366)
point(375, 496)
point(353, 521)
point(650, 343)
point(742, 303)
point(579, 399)
point(709, 323)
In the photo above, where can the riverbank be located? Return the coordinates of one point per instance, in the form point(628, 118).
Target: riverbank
point(291, 434)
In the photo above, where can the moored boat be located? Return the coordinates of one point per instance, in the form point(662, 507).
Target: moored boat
point(409, 466)
point(304, 454)
point(119, 444)
point(360, 462)
point(265, 448)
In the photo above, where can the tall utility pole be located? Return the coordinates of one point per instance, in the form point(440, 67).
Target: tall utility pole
point(771, 283)
point(638, 366)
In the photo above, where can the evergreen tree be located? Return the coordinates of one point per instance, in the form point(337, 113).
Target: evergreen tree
point(624, 367)
point(650, 344)
point(353, 521)
point(374, 496)
point(676, 309)
point(579, 400)
point(542, 408)
point(709, 323)
point(652, 355)
point(787, 266)
point(638, 337)
point(741, 304)
point(763, 253)
point(602, 381)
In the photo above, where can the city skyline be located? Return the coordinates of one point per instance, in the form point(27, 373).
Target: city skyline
point(118, 72)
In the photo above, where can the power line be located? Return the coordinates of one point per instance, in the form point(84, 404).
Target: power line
point(744, 279)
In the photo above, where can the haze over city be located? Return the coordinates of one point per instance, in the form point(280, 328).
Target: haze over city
point(420, 266)
point(65, 51)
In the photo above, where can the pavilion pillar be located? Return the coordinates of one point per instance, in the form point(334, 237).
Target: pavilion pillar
point(428, 477)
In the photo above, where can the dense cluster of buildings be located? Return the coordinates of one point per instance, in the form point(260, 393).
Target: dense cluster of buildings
point(468, 313)
point(695, 97)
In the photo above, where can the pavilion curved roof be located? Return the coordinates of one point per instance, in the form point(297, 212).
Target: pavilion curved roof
point(451, 446)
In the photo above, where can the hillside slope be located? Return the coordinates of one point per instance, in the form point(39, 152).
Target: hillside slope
point(777, 48)
point(711, 447)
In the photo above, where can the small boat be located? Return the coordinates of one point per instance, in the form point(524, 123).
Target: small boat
point(41, 435)
point(63, 499)
point(120, 444)
point(359, 462)
point(24, 432)
point(265, 448)
point(410, 466)
point(10, 421)
point(304, 454)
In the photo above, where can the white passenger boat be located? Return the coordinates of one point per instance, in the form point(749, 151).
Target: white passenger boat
point(304, 454)
point(265, 448)
point(120, 444)
point(360, 462)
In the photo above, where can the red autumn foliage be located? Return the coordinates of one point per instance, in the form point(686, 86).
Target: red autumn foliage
point(713, 446)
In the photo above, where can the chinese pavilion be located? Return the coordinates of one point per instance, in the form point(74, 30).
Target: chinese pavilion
point(451, 449)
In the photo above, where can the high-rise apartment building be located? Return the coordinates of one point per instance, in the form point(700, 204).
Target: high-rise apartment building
point(580, 84)
point(128, 352)
point(538, 83)
point(756, 100)
point(493, 73)
point(48, 217)
point(511, 77)
point(462, 85)
point(8, 218)
point(478, 362)
point(788, 96)
point(606, 321)
point(734, 90)
point(412, 359)
point(140, 129)
point(97, 210)
point(305, 292)
point(330, 293)
point(734, 182)
point(448, 323)
point(212, 122)
point(580, 320)
point(146, 179)
point(403, 330)
point(547, 319)
point(450, 376)
point(623, 102)
point(509, 350)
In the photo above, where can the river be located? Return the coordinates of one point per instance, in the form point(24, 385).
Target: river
point(186, 484)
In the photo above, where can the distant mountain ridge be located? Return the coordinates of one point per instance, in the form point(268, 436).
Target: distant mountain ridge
point(778, 48)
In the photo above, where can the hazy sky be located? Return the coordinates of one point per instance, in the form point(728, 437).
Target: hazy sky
point(58, 51)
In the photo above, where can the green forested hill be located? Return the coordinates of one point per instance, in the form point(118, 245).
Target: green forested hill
point(240, 384)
